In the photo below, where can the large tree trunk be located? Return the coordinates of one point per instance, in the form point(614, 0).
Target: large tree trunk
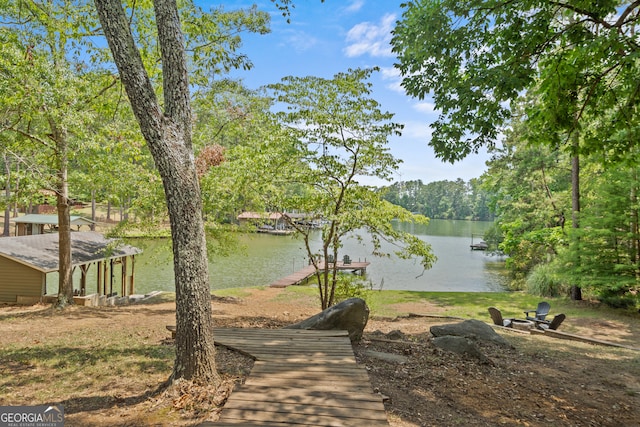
point(634, 227)
point(168, 135)
point(65, 272)
point(576, 291)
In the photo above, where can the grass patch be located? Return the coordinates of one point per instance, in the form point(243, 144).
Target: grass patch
point(160, 298)
point(300, 292)
point(233, 292)
point(70, 367)
point(474, 305)
point(466, 305)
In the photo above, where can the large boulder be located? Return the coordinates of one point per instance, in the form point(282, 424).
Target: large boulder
point(349, 315)
point(463, 338)
point(472, 329)
point(460, 345)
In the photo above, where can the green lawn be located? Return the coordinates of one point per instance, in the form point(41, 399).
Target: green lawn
point(467, 305)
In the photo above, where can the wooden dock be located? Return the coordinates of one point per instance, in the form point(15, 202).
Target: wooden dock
point(300, 377)
point(302, 275)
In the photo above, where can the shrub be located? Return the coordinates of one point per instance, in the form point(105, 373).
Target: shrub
point(618, 299)
point(544, 281)
point(350, 286)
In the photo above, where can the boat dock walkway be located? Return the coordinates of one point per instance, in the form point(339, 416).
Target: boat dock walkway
point(302, 275)
point(300, 377)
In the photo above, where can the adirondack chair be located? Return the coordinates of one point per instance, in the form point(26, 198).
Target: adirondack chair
point(330, 259)
point(540, 313)
point(553, 324)
point(496, 316)
point(346, 260)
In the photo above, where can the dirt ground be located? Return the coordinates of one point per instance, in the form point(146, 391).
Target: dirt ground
point(539, 381)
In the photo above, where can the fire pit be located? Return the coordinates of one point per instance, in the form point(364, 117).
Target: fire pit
point(523, 325)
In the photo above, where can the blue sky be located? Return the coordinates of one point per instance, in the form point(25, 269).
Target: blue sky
point(323, 39)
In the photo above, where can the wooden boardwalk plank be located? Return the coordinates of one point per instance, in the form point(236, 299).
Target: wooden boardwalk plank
point(327, 386)
point(308, 371)
point(300, 377)
point(280, 414)
point(348, 399)
point(306, 408)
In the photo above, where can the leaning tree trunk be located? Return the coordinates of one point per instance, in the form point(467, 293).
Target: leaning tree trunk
point(168, 136)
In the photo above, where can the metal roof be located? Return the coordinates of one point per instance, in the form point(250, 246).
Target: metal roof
point(260, 215)
point(271, 215)
point(50, 219)
point(41, 251)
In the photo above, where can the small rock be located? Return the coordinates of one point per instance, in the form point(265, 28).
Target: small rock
point(387, 357)
point(396, 335)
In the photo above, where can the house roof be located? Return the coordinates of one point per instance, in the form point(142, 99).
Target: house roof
point(50, 219)
point(260, 215)
point(271, 215)
point(41, 251)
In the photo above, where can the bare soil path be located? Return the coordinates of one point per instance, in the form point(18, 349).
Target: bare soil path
point(541, 381)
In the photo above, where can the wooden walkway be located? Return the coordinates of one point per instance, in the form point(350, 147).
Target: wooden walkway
point(300, 377)
point(308, 271)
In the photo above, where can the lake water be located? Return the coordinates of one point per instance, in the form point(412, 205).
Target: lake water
point(267, 258)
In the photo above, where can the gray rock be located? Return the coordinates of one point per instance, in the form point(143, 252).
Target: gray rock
point(396, 335)
point(349, 315)
point(460, 345)
point(472, 329)
point(387, 357)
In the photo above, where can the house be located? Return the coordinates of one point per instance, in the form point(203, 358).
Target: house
point(32, 224)
point(276, 220)
point(255, 217)
point(25, 262)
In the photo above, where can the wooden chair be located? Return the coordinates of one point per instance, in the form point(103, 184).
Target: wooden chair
point(346, 260)
point(496, 316)
point(540, 313)
point(553, 324)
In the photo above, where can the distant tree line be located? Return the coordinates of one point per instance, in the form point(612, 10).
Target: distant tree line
point(442, 199)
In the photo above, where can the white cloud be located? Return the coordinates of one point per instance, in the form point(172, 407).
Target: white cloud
point(391, 75)
point(372, 39)
point(300, 41)
point(354, 6)
point(415, 130)
point(395, 86)
point(425, 107)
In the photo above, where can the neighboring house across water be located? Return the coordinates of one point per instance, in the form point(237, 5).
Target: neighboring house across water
point(25, 262)
point(259, 218)
point(32, 224)
point(276, 220)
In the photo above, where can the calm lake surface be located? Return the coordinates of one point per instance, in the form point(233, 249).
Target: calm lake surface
point(267, 258)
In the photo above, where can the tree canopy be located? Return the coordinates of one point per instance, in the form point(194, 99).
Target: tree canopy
point(310, 155)
point(477, 57)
